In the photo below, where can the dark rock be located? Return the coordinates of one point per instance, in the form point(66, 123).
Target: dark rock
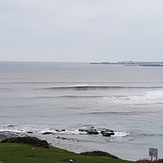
point(83, 130)
point(92, 131)
point(58, 137)
point(29, 132)
point(107, 132)
point(62, 138)
point(99, 153)
point(60, 130)
point(47, 133)
point(27, 140)
point(10, 125)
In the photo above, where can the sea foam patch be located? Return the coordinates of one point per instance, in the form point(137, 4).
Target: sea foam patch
point(149, 97)
point(120, 134)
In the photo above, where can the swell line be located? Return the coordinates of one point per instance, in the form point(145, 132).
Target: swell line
point(99, 87)
point(65, 96)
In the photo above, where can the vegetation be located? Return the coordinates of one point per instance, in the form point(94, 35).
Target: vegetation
point(99, 153)
point(27, 140)
point(25, 153)
point(149, 161)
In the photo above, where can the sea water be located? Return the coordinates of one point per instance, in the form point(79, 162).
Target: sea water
point(127, 99)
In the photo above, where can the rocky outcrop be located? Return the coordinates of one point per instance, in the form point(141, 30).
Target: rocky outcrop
point(93, 131)
point(107, 132)
point(27, 140)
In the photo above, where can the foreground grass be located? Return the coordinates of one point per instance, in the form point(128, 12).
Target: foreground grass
point(21, 153)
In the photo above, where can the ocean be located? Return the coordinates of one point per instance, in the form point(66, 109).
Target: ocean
point(38, 96)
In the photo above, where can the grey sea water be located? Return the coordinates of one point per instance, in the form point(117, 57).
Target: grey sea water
point(127, 99)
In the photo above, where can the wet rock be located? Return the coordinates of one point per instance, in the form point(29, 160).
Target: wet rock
point(92, 131)
point(47, 133)
point(62, 138)
point(29, 132)
point(107, 132)
point(82, 130)
point(11, 125)
point(60, 130)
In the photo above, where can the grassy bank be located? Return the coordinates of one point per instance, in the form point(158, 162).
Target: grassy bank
point(22, 153)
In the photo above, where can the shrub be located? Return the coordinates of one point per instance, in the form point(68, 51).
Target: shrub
point(99, 153)
point(27, 140)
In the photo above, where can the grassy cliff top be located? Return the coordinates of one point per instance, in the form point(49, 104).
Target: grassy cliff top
point(24, 153)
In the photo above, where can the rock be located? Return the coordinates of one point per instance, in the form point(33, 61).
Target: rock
point(107, 132)
point(47, 133)
point(29, 132)
point(83, 130)
point(62, 138)
point(92, 131)
point(60, 130)
point(10, 125)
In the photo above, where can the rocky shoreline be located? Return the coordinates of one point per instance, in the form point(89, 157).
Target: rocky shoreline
point(81, 131)
point(62, 138)
point(78, 140)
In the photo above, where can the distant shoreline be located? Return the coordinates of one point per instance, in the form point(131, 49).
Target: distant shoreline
point(131, 63)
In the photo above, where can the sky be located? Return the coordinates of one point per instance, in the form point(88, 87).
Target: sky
point(81, 30)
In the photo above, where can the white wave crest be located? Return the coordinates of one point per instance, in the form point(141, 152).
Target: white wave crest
point(120, 134)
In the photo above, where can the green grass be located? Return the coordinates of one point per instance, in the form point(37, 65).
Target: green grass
point(21, 153)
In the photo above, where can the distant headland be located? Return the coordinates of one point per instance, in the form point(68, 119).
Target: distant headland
point(131, 63)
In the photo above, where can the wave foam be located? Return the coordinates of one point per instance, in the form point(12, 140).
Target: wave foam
point(150, 97)
point(40, 130)
point(120, 134)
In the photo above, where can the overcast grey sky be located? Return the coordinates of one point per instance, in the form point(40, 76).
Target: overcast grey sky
point(81, 30)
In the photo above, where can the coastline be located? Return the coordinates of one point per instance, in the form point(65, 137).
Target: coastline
point(76, 143)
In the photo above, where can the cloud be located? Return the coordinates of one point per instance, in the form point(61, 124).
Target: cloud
point(103, 29)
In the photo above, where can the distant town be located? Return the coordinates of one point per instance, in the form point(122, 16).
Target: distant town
point(131, 63)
